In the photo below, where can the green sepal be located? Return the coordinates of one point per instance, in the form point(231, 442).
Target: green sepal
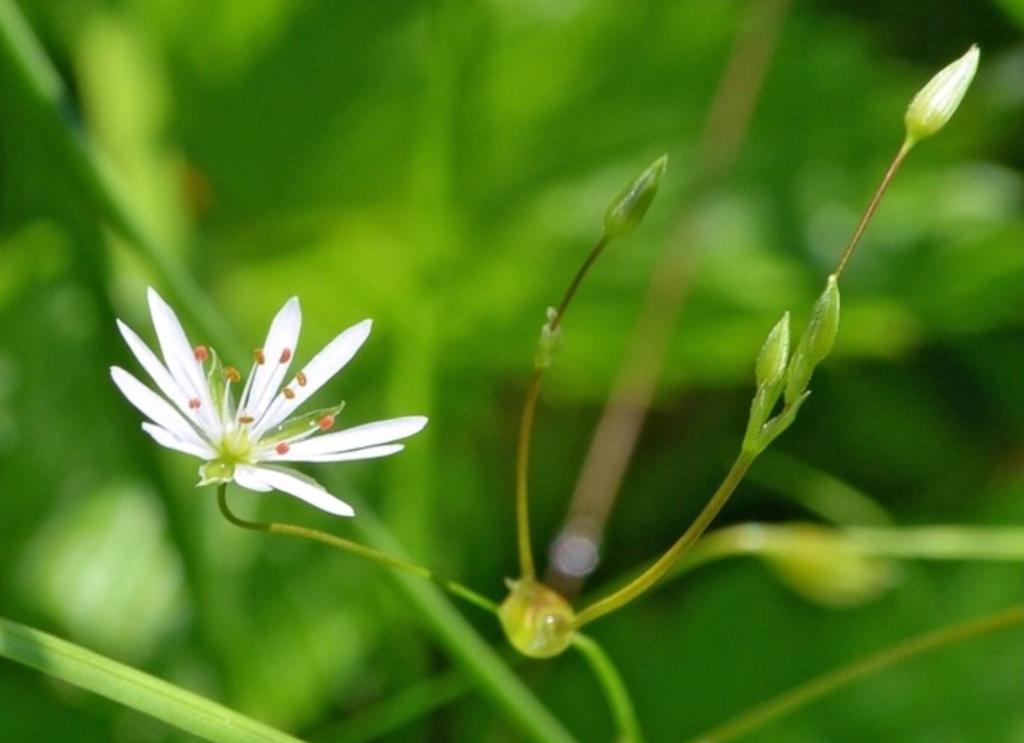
point(215, 472)
point(550, 342)
point(300, 424)
point(756, 441)
point(627, 209)
point(816, 342)
point(774, 354)
point(218, 388)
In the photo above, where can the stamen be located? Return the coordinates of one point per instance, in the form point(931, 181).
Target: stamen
point(326, 422)
point(194, 403)
point(301, 379)
point(231, 374)
point(246, 419)
point(258, 356)
point(286, 356)
point(289, 393)
point(201, 352)
point(282, 448)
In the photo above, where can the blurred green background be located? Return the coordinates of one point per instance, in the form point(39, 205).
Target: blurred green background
point(442, 167)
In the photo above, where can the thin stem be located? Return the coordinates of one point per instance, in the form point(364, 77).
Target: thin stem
point(873, 206)
point(725, 127)
point(939, 542)
point(390, 715)
point(581, 272)
point(614, 688)
point(668, 560)
point(827, 683)
point(369, 553)
point(526, 564)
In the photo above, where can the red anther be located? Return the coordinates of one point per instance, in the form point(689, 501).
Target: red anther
point(326, 422)
point(289, 393)
point(286, 356)
point(231, 374)
point(258, 356)
point(202, 354)
point(282, 448)
point(194, 403)
point(301, 379)
point(246, 419)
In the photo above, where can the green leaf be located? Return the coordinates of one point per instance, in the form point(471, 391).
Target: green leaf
point(131, 687)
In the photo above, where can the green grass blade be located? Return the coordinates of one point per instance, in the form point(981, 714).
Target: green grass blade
point(132, 688)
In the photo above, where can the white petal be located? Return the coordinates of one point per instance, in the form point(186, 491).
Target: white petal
point(282, 337)
point(179, 356)
point(153, 406)
point(249, 478)
point(165, 438)
point(372, 452)
point(155, 368)
point(359, 437)
point(317, 372)
point(302, 487)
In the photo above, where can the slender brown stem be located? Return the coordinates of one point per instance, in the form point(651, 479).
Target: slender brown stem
point(526, 564)
point(872, 206)
point(833, 680)
point(581, 272)
point(369, 553)
point(682, 545)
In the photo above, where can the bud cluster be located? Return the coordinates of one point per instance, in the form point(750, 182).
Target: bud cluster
point(779, 375)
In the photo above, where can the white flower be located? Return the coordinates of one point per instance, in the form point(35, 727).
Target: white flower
point(247, 442)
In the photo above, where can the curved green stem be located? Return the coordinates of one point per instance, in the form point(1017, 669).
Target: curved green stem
point(834, 680)
point(132, 688)
point(526, 565)
point(676, 552)
point(272, 527)
point(613, 687)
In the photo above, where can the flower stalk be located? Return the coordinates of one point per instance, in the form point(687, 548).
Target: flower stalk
point(361, 550)
point(614, 688)
point(623, 215)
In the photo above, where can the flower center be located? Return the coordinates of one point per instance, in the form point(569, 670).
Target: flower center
point(235, 446)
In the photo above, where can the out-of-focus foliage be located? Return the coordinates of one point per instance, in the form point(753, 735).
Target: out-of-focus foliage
point(443, 167)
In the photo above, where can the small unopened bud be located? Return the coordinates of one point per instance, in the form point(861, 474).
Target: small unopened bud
point(816, 342)
point(550, 341)
point(774, 354)
point(937, 101)
point(629, 207)
point(538, 622)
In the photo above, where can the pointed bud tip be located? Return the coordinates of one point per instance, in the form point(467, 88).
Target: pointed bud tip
point(627, 209)
point(938, 100)
point(774, 354)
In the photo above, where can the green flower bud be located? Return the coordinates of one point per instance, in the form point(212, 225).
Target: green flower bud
point(816, 342)
point(538, 622)
point(774, 354)
point(629, 207)
point(550, 342)
point(824, 565)
point(937, 101)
